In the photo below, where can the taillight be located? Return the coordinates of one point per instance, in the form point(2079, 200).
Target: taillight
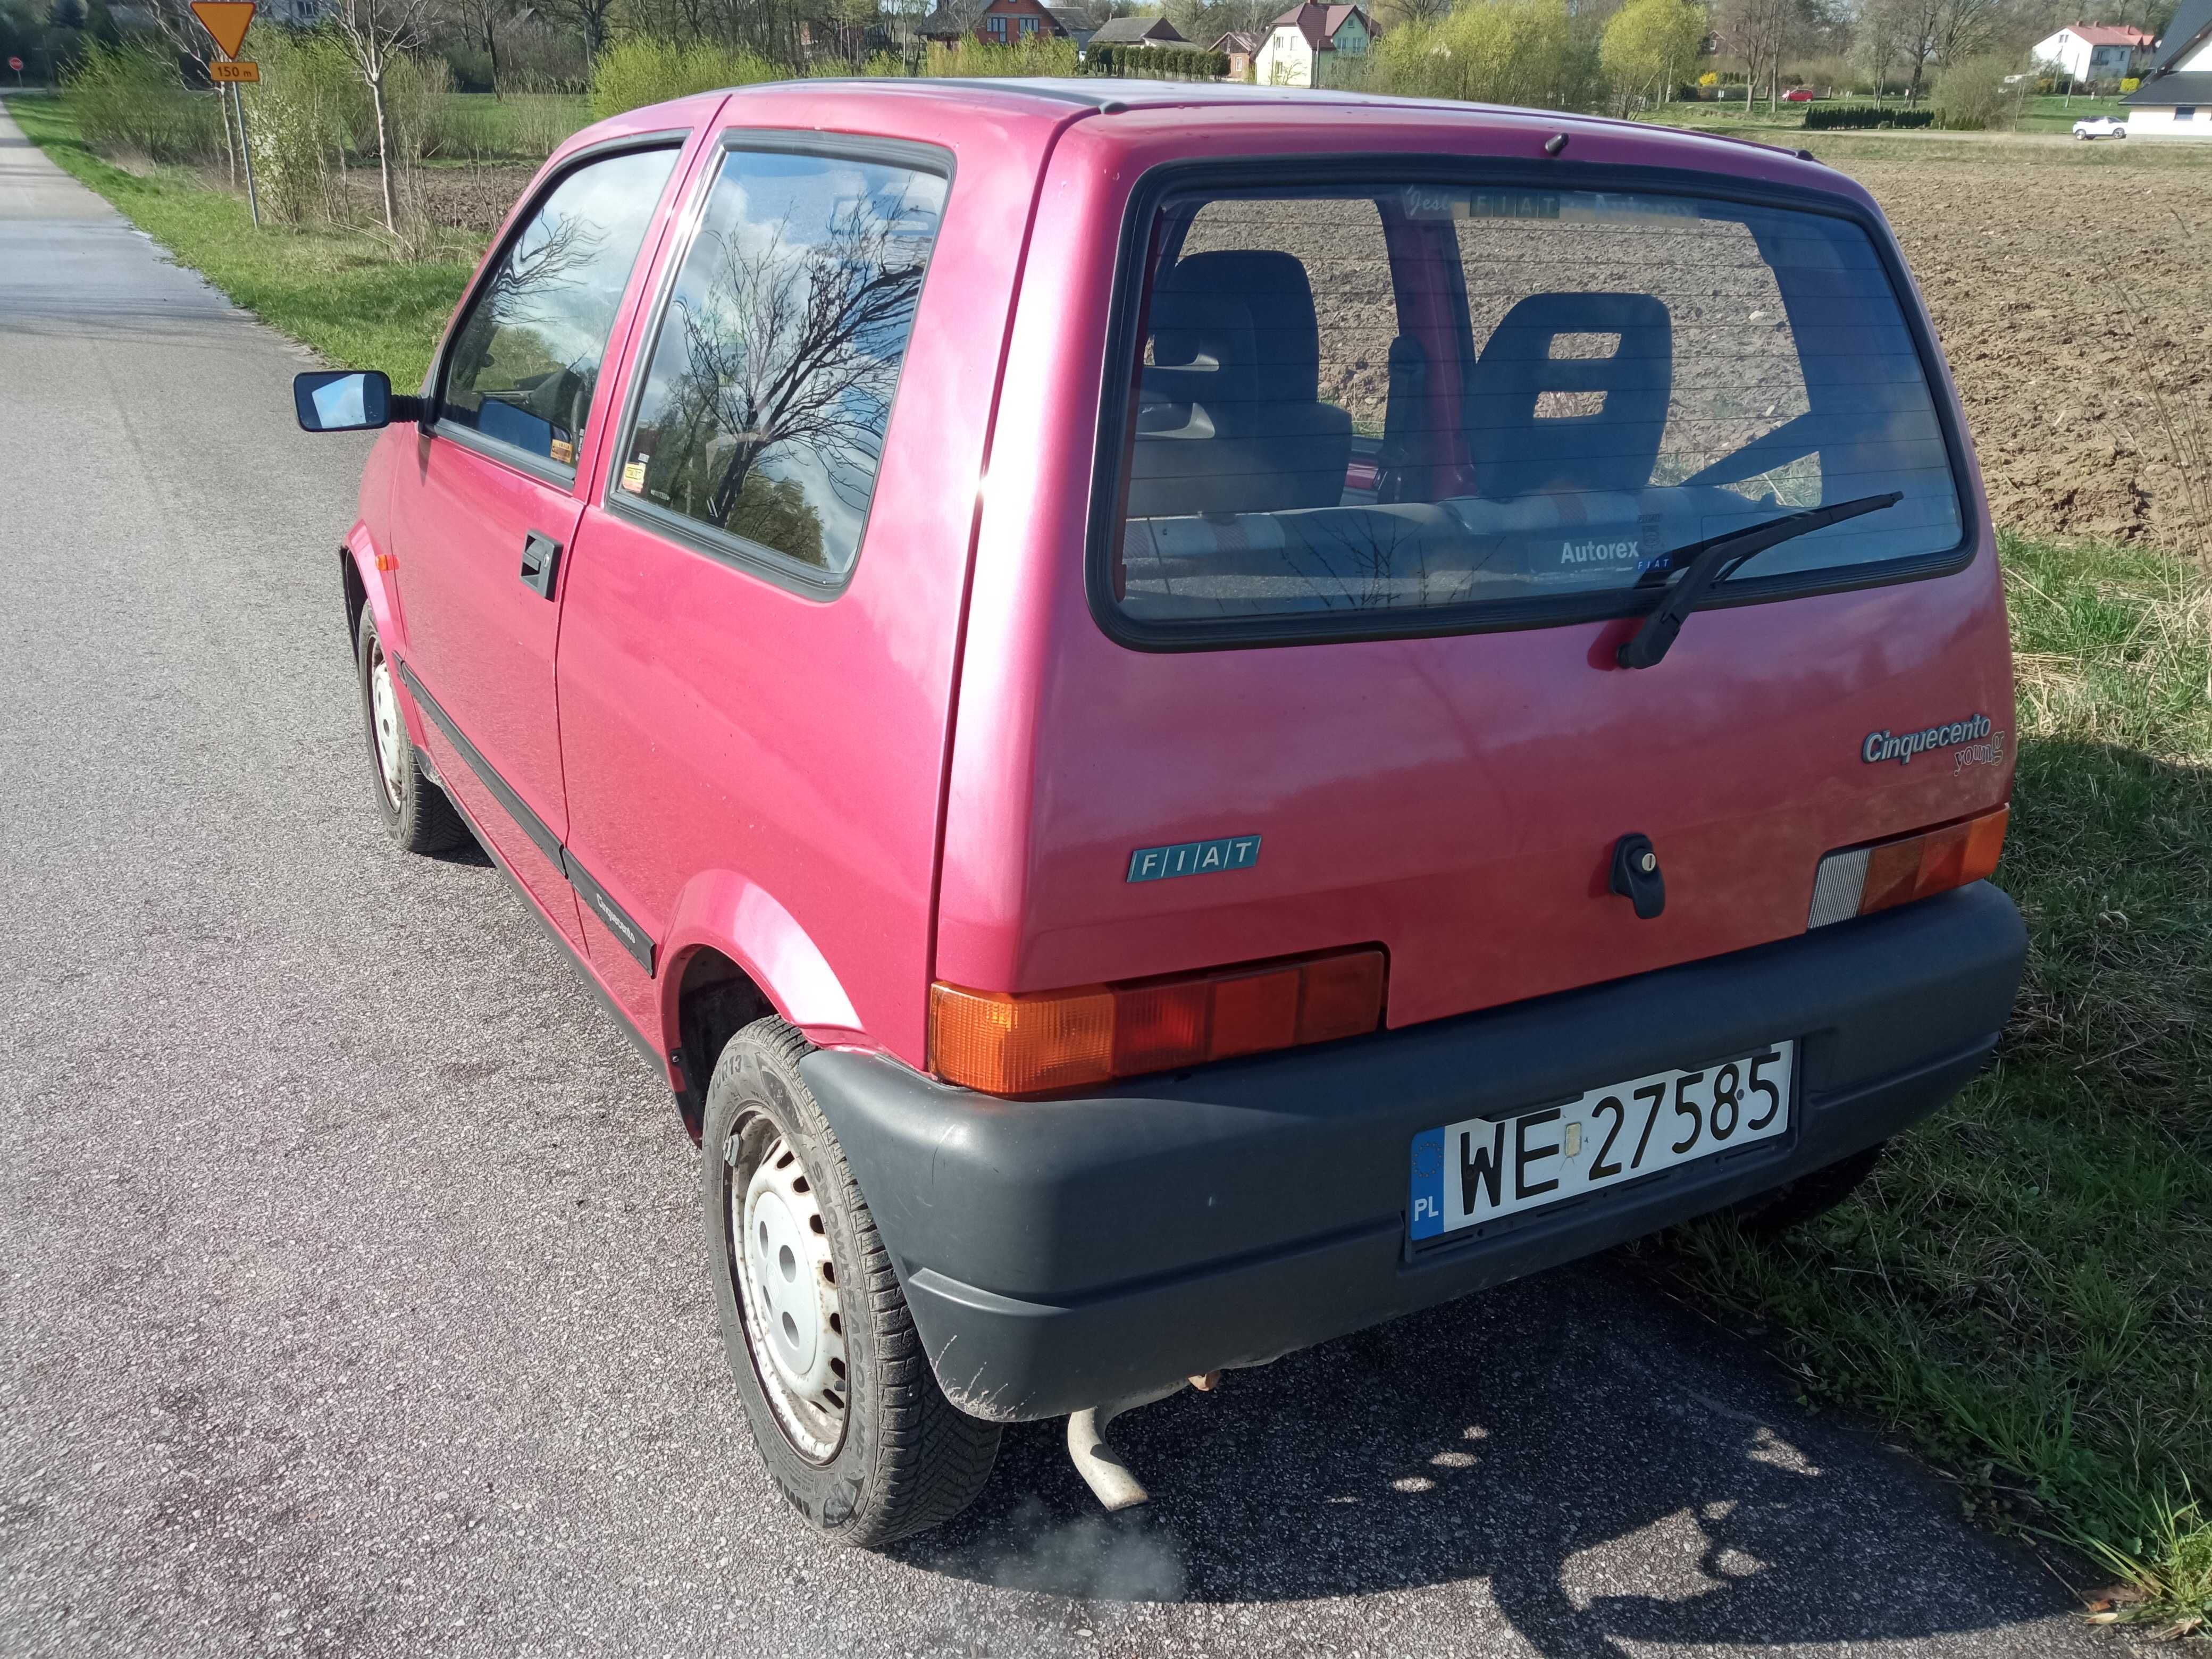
point(1016, 1045)
point(1865, 879)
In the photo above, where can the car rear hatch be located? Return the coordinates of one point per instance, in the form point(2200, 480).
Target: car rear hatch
point(1394, 457)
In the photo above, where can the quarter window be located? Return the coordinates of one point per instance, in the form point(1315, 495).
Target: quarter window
point(526, 360)
point(771, 379)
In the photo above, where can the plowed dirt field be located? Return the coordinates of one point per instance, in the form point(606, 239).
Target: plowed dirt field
point(2071, 286)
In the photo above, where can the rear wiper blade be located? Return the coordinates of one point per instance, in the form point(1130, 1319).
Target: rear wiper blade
point(1717, 557)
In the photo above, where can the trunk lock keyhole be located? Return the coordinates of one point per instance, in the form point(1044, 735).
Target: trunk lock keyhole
point(1636, 875)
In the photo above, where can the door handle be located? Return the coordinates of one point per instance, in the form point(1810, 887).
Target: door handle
point(541, 562)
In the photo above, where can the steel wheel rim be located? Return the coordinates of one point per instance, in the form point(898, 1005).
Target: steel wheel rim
point(787, 1288)
point(386, 729)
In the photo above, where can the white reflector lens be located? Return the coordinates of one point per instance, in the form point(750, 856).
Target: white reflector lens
point(1836, 889)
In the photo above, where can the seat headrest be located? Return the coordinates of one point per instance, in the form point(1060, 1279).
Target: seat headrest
point(1251, 310)
point(1517, 452)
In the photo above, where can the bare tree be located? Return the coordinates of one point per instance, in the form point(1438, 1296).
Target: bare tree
point(1944, 32)
point(479, 20)
point(1760, 32)
point(376, 34)
point(1879, 39)
point(592, 20)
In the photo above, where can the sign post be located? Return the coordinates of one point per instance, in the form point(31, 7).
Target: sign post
point(226, 22)
point(16, 64)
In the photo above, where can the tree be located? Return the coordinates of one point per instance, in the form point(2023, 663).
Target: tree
point(480, 20)
point(376, 34)
point(1878, 40)
point(592, 20)
point(1760, 32)
point(1944, 32)
point(1648, 45)
point(1530, 52)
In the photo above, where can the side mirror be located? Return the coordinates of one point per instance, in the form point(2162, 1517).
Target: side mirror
point(349, 400)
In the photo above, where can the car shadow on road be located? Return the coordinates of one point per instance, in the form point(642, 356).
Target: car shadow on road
point(1614, 1469)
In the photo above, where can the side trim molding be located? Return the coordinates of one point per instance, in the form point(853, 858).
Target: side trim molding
point(532, 826)
point(618, 920)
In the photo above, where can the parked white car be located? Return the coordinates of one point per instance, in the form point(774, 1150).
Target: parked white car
point(2100, 126)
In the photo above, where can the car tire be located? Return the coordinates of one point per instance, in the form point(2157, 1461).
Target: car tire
point(2119, 132)
point(1793, 1204)
point(840, 1396)
point(416, 814)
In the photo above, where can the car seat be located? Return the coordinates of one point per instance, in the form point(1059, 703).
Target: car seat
point(1516, 451)
point(1229, 417)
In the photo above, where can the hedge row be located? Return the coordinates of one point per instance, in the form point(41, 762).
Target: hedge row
point(1867, 115)
point(1155, 63)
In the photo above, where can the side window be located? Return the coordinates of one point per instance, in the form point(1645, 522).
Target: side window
point(777, 356)
point(524, 363)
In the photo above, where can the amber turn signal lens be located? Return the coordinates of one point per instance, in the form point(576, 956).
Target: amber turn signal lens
point(1865, 879)
point(1005, 1044)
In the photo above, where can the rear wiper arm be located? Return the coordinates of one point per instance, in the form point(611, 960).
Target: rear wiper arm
point(1717, 557)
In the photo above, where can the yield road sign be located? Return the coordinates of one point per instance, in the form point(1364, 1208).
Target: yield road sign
point(227, 21)
point(231, 69)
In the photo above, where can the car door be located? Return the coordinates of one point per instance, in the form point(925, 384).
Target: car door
point(484, 522)
point(750, 705)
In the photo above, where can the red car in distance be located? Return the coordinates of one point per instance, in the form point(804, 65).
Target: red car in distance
point(1186, 718)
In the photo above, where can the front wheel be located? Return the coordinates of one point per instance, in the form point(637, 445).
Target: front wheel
point(2119, 132)
point(416, 812)
point(840, 1396)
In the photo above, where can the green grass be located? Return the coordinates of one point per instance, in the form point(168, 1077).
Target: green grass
point(2027, 1285)
point(520, 126)
point(2039, 115)
point(345, 295)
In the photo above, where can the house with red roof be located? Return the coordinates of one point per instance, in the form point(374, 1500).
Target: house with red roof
point(2175, 99)
point(1297, 42)
point(2093, 51)
point(1001, 23)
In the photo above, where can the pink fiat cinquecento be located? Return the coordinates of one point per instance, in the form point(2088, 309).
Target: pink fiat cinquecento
point(1188, 718)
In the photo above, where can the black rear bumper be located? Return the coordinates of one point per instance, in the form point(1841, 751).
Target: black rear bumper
point(1063, 1253)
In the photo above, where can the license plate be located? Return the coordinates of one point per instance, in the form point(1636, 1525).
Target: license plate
point(1468, 1173)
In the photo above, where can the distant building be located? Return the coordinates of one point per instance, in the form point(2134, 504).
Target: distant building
point(2175, 99)
point(1240, 49)
point(1151, 32)
point(1002, 23)
point(1075, 24)
point(1297, 40)
point(2095, 52)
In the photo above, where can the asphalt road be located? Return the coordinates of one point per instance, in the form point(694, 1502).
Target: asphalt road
point(350, 1290)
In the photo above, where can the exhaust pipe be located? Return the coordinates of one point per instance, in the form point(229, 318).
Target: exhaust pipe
point(1098, 1463)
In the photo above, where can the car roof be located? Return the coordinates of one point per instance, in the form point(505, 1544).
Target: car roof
point(981, 109)
point(1112, 95)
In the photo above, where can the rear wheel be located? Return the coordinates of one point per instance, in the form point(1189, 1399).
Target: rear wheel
point(1794, 1203)
point(416, 812)
point(840, 1398)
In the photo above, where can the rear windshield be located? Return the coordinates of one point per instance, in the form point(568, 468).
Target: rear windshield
point(1415, 397)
